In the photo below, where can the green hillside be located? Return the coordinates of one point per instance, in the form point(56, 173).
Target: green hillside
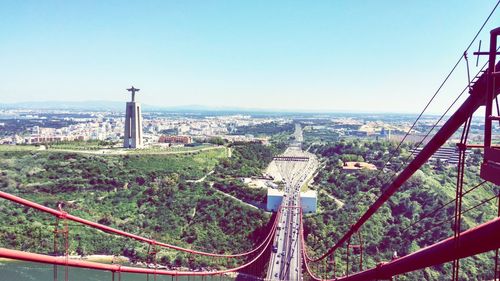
point(386, 232)
point(149, 195)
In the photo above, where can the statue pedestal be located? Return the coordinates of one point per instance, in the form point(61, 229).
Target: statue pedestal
point(133, 126)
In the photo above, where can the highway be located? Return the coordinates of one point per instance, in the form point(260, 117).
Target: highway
point(285, 262)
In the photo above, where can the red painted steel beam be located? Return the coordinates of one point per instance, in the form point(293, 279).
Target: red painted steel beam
point(64, 215)
point(480, 239)
point(468, 107)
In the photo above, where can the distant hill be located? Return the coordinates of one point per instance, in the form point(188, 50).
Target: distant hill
point(113, 106)
point(68, 105)
point(118, 106)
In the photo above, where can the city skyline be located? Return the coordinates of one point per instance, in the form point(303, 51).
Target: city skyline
point(268, 56)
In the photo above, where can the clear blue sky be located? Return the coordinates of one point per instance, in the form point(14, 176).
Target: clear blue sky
point(308, 55)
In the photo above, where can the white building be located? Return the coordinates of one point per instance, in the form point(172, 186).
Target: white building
point(274, 198)
point(308, 201)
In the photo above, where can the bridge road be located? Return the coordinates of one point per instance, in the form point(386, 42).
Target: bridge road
point(285, 262)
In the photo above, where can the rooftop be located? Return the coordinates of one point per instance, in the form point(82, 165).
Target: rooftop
point(309, 194)
point(274, 192)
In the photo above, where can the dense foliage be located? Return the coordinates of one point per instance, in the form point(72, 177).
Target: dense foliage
point(345, 196)
point(161, 196)
point(149, 195)
point(264, 129)
point(247, 160)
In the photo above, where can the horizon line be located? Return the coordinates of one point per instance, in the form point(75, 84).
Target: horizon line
point(201, 107)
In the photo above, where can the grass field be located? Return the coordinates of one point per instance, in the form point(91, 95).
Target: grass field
point(5, 147)
point(193, 163)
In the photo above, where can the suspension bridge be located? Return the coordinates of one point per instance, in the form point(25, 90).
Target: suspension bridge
point(285, 245)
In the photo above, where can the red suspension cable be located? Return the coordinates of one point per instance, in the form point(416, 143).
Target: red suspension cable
point(469, 106)
point(60, 213)
point(32, 257)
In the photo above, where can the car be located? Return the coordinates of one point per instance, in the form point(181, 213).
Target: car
point(275, 249)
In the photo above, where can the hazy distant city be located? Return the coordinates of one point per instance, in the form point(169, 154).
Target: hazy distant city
point(197, 126)
point(24, 125)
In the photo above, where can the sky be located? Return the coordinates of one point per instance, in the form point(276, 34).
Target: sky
point(332, 55)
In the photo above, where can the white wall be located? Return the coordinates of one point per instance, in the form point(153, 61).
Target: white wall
point(273, 202)
point(309, 202)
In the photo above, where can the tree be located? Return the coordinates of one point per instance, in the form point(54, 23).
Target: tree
point(440, 166)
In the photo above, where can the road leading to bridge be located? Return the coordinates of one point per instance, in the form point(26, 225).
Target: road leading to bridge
point(285, 262)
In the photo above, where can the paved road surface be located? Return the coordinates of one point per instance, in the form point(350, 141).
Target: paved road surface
point(285, 262)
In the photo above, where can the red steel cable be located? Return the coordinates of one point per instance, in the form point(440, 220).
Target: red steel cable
point(469, 106)
point(64, 215)
point(305, 256)
point(476, 240)
point(32, 257)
